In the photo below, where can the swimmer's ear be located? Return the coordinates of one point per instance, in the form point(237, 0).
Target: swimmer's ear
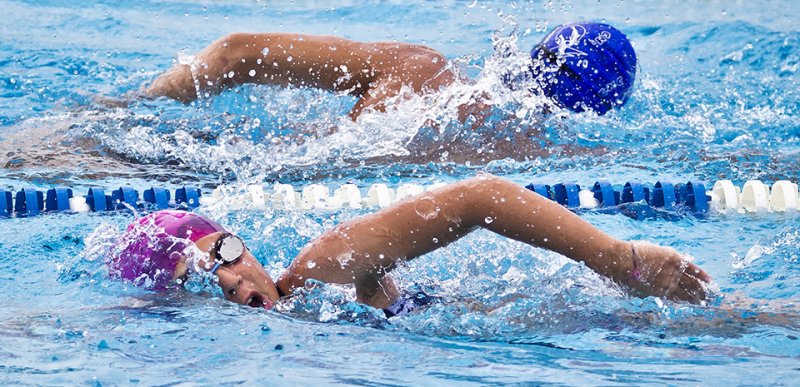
point(192, 260)
point(181, 270)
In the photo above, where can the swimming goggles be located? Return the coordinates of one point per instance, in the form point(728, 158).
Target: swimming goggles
point(227, 250)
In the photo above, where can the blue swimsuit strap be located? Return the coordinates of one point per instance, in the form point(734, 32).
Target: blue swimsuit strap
point(407, 303)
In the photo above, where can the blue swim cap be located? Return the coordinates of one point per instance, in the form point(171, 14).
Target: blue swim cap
point(585, 66)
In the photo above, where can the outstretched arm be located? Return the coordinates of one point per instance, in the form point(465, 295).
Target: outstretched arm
point(371, 71)
point(363, 250)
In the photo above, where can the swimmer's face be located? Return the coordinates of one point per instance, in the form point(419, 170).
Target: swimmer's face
point(244, 281)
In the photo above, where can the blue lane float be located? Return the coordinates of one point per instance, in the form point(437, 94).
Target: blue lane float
point(694, 196)
point(567, 194)
point(188, 196)
point(98, 200)
point(6, 204)
point(29, 202)
point(664, 196)
point(634, 191)
point(158, 197)
point(57, 199)
point(125, 195)
point(541, 189)
point(604, 194)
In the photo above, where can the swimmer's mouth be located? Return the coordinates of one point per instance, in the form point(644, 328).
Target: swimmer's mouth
point(256, 300)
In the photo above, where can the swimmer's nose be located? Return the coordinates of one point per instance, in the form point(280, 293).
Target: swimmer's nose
point(234, 292)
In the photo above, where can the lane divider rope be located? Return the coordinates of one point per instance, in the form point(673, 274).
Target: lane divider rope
point(754, 197)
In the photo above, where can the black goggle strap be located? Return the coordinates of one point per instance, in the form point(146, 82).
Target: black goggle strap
point(227, 249)
point(551, 57)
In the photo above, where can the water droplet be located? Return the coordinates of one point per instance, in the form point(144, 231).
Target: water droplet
point(231, 74)
point(435, 240)
point(289, 58)
point(311, 264)
point(265, 51)
point(488, 220)
point(252, 73)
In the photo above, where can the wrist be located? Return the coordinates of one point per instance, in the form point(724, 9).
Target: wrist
point(617, 262)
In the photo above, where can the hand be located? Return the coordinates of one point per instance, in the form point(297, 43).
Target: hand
point(663, 272)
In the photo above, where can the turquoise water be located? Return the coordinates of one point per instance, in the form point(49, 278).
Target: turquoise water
point(716, 97)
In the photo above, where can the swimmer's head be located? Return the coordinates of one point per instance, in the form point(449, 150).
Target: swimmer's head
point(153, 251)
point(149, 251)
point(583, 66)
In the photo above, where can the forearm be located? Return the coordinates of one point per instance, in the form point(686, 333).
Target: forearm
point(268, 58)
point(518, 213)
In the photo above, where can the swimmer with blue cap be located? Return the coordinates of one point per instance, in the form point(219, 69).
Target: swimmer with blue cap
point(579, 66)
point(161, 250)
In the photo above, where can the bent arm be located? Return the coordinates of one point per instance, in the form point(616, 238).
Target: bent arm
point(363, 250)
point(372, 71)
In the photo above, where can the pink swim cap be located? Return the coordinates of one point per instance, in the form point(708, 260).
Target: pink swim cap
point(149, 250)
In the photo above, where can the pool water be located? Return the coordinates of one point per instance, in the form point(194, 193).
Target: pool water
point(716, 97)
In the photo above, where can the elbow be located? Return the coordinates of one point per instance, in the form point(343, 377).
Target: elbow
point(230, 48)
point(232, 40)
point(484, 194)
point(484, 180)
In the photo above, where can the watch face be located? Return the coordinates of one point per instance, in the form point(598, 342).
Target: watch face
point(230, 249)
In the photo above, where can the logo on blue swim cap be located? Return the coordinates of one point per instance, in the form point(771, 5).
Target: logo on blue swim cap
point(585, 66)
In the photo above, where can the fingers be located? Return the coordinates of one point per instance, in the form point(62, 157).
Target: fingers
point(699, 273)
point(689, 286)
point(682, 295)
point(687, 283)
point(690, 289)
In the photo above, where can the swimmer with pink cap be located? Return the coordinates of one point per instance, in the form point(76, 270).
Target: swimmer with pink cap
point(153, 253)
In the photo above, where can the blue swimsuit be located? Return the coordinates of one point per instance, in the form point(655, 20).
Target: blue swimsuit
point(407, 303)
